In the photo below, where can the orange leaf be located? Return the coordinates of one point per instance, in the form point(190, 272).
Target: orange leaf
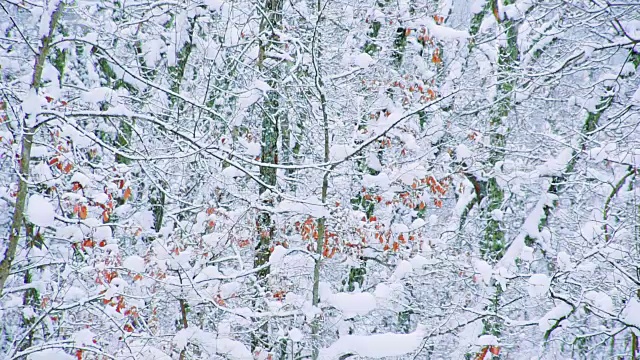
point(120, 305)
point(401, 238)
point(67, 168)
point(395, 246)
point(79, 354)
point(127, 194)
point(44, 302)
point(105, 216)
point(279, 295)
point(495, 350)
point(82, 214)
point(88, 243)
point(137, 277)
point(482, 354)
point(219, 300)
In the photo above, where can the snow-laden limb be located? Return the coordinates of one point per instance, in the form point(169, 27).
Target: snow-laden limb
point(529, 228)
point(631, 314)
point(212, 343)
point(554, 316)
point(352, 304)
point(50, 354)
point(375, 346)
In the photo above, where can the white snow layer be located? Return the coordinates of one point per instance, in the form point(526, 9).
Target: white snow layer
point(134, 263)
point(50, 354)
point(81, 179)
point(635, 99)
point(100, 94)
point(353, 304)
point(600, 300)
point(212, 343)
point(483, 269)
point(363, 60)
point(40, 211)
point(549, 319)
point(375, 346)
point(538, 285)
point(487, 340)
point(631, 314)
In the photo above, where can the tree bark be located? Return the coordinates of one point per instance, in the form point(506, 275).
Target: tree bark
point(25, 156)
point(272, 18)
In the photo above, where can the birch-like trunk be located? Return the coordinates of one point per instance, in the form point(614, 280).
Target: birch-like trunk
point(25, 154)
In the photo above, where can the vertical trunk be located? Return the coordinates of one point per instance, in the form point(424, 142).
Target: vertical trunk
point(492, 246)
point(31, 296)
point(315, 328)
point(272, 18)
point(320, 242)
point(25, 156)
point(635, 341)
point(184, 323)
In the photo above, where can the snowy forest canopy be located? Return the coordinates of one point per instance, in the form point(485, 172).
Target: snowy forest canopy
point(319, 179)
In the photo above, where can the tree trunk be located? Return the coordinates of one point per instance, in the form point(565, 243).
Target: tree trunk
point(271, 20)
point(493, 243)
point(25, 155)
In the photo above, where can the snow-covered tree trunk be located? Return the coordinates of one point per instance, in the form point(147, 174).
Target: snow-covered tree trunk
point(493, 243)
point(28, 129)
point(270, 23)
